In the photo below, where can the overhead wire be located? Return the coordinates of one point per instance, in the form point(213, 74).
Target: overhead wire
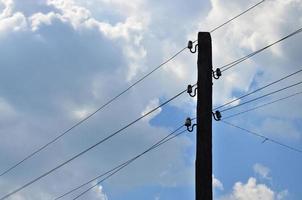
point(262, 96)
point(240, 14)
point(240, 60)
point(263, 137)
point(90, 115)
point(101, 181)
point(235, 17)
point(113, 171)
point(105, 105)
point(115, 97)
point(104, 179)
point(259, 89)
point(263, 105)
point(93, 146)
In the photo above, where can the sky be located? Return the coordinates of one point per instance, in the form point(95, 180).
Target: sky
point(60, 60)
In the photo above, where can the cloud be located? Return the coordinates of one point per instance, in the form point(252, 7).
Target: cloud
point(217, 183)
point(262, 170)
point(253, 190)
point(39, 19)
point(263, 25)
point(61, 59)
point(11, 21)
point(66, 68)
point(100, 193)
point(151, 105)
point(282, 195)
point(250, 191)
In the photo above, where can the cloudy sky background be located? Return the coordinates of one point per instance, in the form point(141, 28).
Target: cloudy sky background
point(61, 59)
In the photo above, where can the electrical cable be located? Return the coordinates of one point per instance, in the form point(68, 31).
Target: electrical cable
point(265, 95)
point(263, 137)
point(103, 106)
point(91, 147)
point(235, 17)
point(259, 89)
point(119, 167)
point(240, 14)
point(240, 60)
point(99, 182)
point(89, 116)
point(263, 105)
point(114, 98)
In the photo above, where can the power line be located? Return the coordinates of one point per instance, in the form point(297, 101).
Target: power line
point(265, 95)
point(114, 98)
point(263, 105)
point(119, 167)
point(235, 17)
point(263, 137)
point(93, 146)
point(240, 14)
point(99, 182)
point(259, 89)
point(90, 115)
point(240, 60)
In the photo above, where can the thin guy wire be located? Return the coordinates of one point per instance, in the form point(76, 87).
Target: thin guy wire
point(238, 61)
point(263, 105)
point(91, 147)
point(90, 115)
point(160, 142)
point(263, 137)
point(259, 89)
point(99, 182)
point(265, 95)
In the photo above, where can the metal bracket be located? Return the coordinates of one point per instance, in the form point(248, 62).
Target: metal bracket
point(190, 91)
point(217, 73)
point(189, 125)
point(190, 46)
point(217, 115)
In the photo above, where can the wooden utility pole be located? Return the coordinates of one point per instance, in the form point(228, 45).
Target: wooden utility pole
point(203, 165)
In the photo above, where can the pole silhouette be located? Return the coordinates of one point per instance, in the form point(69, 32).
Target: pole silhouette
point(203, 165)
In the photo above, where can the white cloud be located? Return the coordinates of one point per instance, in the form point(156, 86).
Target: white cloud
point(282, 195)
point(39, 19)
point(217, 183)
point(10, 20)
point(262, 170)
point(100, 193)
point(16, 22)
point(8, 8)
point(151, 105)
point(257, 28)
point(250, 191)
point(89, 55)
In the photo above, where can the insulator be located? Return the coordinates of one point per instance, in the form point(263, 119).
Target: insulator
point(190, 44)
point(188, 122)
point(190, 89)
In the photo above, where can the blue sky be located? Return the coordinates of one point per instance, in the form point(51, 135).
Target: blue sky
point(62, 59)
